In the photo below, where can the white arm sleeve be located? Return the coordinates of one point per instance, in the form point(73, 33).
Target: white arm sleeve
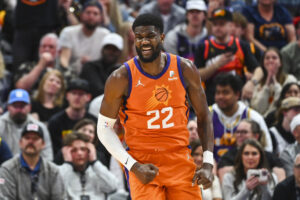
point(112, 143)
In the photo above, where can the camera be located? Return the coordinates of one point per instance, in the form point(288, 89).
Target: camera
point(262, 174)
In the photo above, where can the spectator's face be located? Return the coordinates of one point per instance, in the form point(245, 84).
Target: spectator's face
point(192, 128)
point(91, 17)
point(291, 113)
point(80, 153)
point(250, 157)
point(272, 62)
point(198, 156)
point(110, 54)
point(293, 91)
point(52, 84)
point(195, 17)
point(237, 30)
point(48, 45)
point(297, 171)
point(78, 99)
point(88, 130)
point(243, 132)
point(18, 111)
point(31, 144)
point(266, 2)
point(165, 6)
point(296, 133)
point(225, 97)
point(221, 28)
point(148, 42)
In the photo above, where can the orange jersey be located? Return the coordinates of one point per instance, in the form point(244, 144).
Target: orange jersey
point(155, 113)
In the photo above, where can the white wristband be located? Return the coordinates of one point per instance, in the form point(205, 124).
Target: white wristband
point(208, 157)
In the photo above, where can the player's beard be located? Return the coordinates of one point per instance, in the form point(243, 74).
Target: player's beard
point(155, 54)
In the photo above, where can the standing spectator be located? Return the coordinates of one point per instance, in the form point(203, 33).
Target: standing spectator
point(32, 20)
point(30, 176)
point(236, 184)
point(268, 90)
point(5, 152)
point(85, 176)
point(49, 97)
point(289, 188)
point(62, 123)
point(269, 25)
point(290, 152)
point(97, 72)
point(82, 43)
point(184, 38)
point(228, 111)
point(171, 13)
point(13, 121)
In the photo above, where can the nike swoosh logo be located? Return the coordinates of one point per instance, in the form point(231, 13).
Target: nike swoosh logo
point(126, 161)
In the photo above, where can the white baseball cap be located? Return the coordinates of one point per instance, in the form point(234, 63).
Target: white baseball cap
point(113, 39)
point(196, 5)
point(295, 122)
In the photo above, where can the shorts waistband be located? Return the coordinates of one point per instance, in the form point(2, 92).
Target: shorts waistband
point(159, 150)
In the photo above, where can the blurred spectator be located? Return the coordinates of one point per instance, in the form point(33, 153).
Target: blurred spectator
point(65, 15)
point(282, 134)
point(268, 90)
point(5, 152)
point(269, 25)
point(49, 97)
point(29, 74)
point(129, 50)
point(291, 89)
point(29, 176)
point(193, 130)
point(236, 184)
point(82, 43)
point(289, 153)
point(296, 22)
point(246, 129)
point(97, 72)
point(85, 176)
point(13, 121)
point(222, 53)
point(228, 111)
point(5, 84)
point(62, 123)
point(293, 6)
point(289, 188)
point(290, 57)
point(32, 20)
point(214, 192)
point(171, 13)
point(184, 38)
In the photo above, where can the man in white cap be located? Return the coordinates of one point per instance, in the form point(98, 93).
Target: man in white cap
point(289, 153)
point(184, 38)
point(96, 72)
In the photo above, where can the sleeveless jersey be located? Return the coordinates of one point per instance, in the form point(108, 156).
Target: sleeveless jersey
point(155, 112)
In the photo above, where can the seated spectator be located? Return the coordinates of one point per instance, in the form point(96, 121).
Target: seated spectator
point(281, 131)
point(267, 91)
point(269, 25)
point(62, 123)
point(5, 84)
point(29, 176)
point(97, 72)
point(247, 129)
point(291, 89)
point(5, 152)
point(184, 38)
point(289, 153)
point(214, 192)
point(13, 121)
point(84, 176)
point(228, 111)
point(289, 188)
point(65, 15)
point(82, 43)
point(49, 97)
point(192, 127)
point(236, 184)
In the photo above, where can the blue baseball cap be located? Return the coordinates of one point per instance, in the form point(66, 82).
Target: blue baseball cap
point(18, 95)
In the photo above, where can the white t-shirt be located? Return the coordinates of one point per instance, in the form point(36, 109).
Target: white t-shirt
point(72, 37)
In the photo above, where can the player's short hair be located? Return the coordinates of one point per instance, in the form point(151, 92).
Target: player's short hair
point(149, 19)
point(228, 79)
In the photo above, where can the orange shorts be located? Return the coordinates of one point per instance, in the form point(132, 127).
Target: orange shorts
point(174, 181)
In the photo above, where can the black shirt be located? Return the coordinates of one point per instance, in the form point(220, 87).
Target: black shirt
point(44, 113)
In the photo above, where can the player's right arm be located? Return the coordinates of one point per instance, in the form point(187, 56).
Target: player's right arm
point(116, 88)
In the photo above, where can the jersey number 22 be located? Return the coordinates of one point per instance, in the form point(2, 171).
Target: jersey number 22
point(165, 123)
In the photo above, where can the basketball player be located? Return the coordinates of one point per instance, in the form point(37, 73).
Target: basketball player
point(149, 92)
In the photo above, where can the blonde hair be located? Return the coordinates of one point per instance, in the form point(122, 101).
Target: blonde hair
point(2, 66)
point(40, 95)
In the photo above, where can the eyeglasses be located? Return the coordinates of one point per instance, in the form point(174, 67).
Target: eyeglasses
point(242, 132)
point(247, 153)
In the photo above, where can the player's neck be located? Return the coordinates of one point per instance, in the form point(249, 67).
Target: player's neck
point(155, 67)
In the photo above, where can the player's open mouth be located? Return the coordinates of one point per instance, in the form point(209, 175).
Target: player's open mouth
point(146, 50)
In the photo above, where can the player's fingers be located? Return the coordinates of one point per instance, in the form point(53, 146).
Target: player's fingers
point(194, 179)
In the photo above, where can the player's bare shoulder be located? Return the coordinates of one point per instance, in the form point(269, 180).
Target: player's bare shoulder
point(189, 71)
point(118, 81)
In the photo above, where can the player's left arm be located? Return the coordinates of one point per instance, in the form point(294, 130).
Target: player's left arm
point(205, 129)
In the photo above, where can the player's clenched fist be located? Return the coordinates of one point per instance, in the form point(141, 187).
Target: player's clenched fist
point(144, 172)
point(204, 176)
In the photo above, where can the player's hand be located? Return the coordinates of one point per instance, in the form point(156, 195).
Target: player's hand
point(144, 172)
point(204, 176)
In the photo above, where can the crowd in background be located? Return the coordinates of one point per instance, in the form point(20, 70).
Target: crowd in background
point(56, 55)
